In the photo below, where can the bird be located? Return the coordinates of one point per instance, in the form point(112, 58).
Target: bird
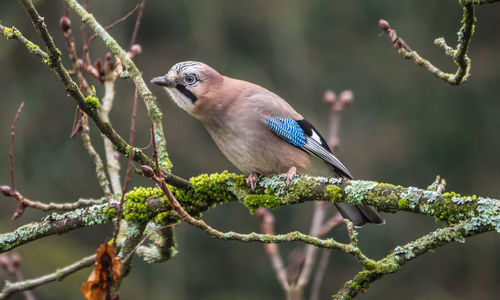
point(257, 130)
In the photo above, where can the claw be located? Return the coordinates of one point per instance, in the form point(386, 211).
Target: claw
point(252, 180)
point(289, 175)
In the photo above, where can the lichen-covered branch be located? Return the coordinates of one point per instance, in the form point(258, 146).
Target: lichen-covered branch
point(102, 179)
point(14, 287)
point(129, 67)
point(478, 2)
point(14, 33)
point(55, 224)
point(458, 54)
point(403, 254)
point(149, 204)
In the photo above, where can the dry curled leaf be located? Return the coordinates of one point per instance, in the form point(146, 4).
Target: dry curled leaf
point(107, 270)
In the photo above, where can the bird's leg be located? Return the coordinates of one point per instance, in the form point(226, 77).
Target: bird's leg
point(252, 180)
point(288, 175)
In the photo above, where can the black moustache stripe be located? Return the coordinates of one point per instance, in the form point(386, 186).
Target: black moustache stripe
point(186, 93)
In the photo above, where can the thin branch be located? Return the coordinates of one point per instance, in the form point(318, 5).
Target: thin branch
point(401, 255)
point(478, 2)
point(137, 24)
point(14, 33)
point(331, 223)
point(266, 219)
point(99, 166)
point(55, 224)
point(11, 288)
point(12, 265)
point(320, 272)
point(129, 168)
point(459, 54)
point(50, 206)
point(113, 165)
point(11, 146)
point(310, 251)
point(336, 107)
point(114, 23)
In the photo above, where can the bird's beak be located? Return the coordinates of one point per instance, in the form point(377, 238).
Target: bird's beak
point(162, 81)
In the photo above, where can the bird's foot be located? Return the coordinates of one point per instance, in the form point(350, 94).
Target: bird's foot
point(252, 180)
point(289, 175)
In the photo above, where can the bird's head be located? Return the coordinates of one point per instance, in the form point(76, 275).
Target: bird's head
point(189, 83)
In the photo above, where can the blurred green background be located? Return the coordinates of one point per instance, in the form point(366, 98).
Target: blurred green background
point(404, 127)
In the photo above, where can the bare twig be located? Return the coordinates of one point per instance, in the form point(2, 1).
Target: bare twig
point(96, 158)
point(459, 54)
point(113, 165)
point(266, 219)
point(129, 167)
point(331, 223)
point(310, 251)
point(11, 146)
point(114, 23)
point(320, 272)
point(336, 107)
point(137, 24)
point(15, 287)
point(25, 202)
point(12, 265)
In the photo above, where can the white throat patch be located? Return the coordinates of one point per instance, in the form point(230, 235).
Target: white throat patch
point(180, 99)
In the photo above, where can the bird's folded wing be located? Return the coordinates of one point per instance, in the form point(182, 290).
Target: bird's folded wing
point(302, 134)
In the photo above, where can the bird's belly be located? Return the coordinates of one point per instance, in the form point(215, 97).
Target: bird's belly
point(266, 154)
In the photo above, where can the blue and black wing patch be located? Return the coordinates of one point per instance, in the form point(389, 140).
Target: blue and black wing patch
point(303, 135)
point(289, 130)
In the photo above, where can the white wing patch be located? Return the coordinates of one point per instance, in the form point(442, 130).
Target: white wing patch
point(315, 136)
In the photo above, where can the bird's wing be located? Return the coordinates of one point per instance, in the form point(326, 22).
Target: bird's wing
point(303, 135)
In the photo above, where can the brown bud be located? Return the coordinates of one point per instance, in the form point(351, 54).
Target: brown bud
point(384, 25)
point(147, 171)
point(346, 97)
point(65, 23)
point(329, 97)
point(136, 50)
point(98, 65)
point(6, 190)
point(16, 260)
point(4, 262)
point(109, 56)
point(80, 63)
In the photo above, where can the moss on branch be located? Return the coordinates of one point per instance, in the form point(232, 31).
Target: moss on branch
point(148, 204)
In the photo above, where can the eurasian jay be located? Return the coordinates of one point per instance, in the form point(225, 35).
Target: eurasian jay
point(259, 132)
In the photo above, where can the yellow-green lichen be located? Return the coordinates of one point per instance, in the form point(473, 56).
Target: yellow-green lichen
point(111, 212)
point(135, 207)
point(93, 101)
point(333, 192)
point(33, 48)
point(403, 203)
point(10, 32)
point(253, 202)
point(207, 190)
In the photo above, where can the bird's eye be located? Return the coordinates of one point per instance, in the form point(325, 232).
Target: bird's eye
point(190, 79)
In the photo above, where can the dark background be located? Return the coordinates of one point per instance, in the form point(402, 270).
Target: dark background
point(404, 127)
